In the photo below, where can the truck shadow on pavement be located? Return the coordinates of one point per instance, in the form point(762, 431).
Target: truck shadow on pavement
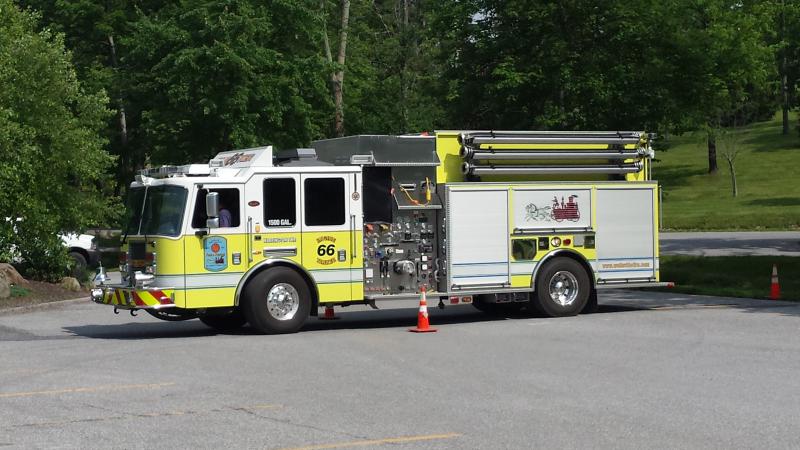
point(348, 320)
point(401, 318)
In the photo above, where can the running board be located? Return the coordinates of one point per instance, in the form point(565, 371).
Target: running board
point(646, 284)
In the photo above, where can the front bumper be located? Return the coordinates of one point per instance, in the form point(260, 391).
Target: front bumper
point(126, 297)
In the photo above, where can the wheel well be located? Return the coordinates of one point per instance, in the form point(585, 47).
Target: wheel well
point(82, 252)
point(312, 286)
point(566, 254)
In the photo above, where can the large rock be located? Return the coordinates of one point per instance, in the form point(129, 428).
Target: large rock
point(5, 287)
point(12, 275)
point(70, 284)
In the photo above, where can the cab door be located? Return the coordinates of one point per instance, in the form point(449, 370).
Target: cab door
point(331, 226)
point(215, 258)
point(274, 217)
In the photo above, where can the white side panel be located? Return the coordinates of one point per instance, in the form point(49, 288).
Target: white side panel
point(478, 238)
point(549, 208)
point(625, 234)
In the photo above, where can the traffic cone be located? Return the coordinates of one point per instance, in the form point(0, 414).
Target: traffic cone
point(775, 288)
point(423, 326)
point(328, 314)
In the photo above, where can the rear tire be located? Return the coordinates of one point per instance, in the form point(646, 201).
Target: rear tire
point(230, 321)
point(277, 301)
point(562, 288)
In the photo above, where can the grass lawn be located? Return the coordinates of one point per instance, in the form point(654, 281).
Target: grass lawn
point(732, 276)
point(768, 173)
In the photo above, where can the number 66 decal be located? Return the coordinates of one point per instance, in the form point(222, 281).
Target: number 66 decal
point(326, 250)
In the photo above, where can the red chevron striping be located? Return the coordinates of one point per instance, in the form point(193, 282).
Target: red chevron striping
point(137, 299)
point(161, 297)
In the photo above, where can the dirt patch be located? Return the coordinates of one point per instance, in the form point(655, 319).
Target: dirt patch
point(38, 292)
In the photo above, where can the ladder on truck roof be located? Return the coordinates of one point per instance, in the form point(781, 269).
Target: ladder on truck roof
point(553, 152)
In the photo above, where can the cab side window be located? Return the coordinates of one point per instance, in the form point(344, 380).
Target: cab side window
point(228, 201)
point(280, 209)
point(324, 201)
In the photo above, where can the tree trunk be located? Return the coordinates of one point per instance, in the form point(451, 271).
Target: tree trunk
point(325, 41)
point(338, 77)
point(712, 154)
point(782, 68)
point(123, 122)
point(785, 102)
point(733, 177)
point(123, 161)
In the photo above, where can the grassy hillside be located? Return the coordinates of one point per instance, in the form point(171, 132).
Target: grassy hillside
point(768, 173)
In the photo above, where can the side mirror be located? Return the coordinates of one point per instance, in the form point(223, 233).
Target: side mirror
point(212, 210)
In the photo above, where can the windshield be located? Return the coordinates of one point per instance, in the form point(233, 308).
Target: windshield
point(155, 210)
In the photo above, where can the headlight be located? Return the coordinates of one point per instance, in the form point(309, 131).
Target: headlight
point(97, 295)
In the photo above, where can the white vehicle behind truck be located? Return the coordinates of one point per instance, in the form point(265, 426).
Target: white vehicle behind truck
point(82, 249)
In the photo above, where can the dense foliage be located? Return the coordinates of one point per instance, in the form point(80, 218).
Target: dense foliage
point(53, 154)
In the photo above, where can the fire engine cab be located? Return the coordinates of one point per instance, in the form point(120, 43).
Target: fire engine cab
point(501, 220)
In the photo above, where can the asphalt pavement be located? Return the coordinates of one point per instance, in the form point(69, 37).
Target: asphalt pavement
point(735, 243)
point(651, 370)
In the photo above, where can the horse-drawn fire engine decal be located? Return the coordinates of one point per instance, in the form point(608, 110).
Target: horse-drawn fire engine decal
point(558, 211)
point(533, 212)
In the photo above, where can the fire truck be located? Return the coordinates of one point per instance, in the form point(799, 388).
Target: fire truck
point(502, 220)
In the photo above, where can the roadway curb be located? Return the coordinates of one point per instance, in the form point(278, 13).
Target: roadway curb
point(42, 306)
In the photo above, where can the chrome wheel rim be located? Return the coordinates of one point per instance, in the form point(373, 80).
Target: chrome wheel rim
point(283, 301)
point(563, 288)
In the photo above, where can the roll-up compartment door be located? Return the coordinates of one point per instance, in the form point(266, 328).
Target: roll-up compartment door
point(625, 234)
point(477, 238)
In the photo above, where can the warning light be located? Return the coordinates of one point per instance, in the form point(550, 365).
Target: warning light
point(453, 300)
point(567, 241)
point(555, 242)
point(467, 299)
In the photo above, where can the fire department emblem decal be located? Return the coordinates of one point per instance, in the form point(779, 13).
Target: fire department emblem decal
point(215, 251)
point(557, 211)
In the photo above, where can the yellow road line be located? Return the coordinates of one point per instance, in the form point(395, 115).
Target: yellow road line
point(259, 407)
point(364, 443)
point(146, 415)
point(113, 387)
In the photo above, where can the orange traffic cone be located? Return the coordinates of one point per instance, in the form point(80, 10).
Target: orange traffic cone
point(328, 314)
point(775, 288)
point(423, 326)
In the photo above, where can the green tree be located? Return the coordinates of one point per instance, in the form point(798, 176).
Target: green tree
point(732, 78)
point(786, 39)
point(52, 152)
point(209, 76)
point(565, 65)
point(92, 32)
point(393, 69)
point(665, 66)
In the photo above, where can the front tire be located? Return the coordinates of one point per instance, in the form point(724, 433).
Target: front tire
point(562, 288)
point(277, 301)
